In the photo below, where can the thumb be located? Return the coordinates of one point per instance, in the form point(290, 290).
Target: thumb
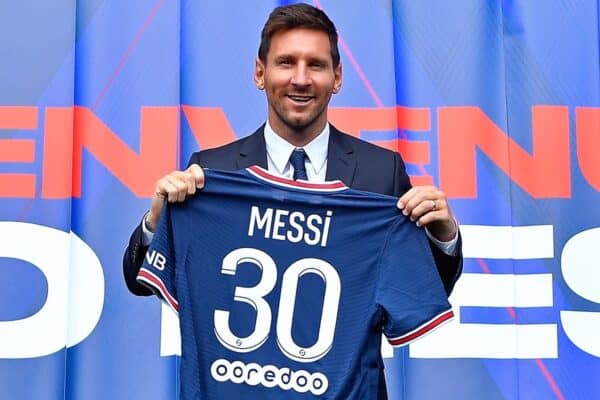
point(198, 173)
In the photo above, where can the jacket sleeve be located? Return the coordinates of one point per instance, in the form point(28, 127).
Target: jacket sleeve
point(132, 262)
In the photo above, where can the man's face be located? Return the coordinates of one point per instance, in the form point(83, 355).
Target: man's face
point(298, 78)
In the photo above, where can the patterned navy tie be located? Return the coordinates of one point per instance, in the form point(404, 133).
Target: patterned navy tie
point(297, 160)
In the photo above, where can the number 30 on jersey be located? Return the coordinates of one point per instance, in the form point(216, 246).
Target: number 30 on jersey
point(254, 296)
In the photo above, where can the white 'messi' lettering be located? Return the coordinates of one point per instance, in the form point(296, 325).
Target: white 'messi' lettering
point(269, 376)
point(292, 226)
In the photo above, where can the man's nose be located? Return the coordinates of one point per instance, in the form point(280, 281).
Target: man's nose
point(301, 76)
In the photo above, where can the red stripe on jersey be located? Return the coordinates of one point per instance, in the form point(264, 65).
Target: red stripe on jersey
point(160, 286)
point(423, 329)
point(301, 184)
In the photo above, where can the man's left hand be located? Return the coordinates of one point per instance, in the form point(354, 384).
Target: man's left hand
point(428, 206)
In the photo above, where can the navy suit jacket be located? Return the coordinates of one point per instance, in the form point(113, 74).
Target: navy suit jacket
point(359, 164)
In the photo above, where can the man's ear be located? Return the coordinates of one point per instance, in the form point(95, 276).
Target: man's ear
point(337, 73)
point(259, 74)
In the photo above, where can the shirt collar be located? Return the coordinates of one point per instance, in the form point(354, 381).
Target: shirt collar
point(279, 150)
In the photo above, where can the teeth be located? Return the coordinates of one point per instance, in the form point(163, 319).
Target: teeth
point(300, 98)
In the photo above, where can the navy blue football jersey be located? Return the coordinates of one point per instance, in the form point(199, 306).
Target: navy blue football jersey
point(283, 288)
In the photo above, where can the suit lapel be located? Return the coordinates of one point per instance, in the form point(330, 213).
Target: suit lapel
point(253, 151)
point(341, 161)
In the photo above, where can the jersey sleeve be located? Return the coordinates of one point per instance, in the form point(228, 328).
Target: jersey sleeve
point(158, 270)
point(409, 288)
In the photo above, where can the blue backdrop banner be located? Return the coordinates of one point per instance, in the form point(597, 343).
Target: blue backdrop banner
point(496, 102)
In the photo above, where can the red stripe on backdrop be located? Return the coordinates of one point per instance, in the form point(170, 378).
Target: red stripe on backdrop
point(355, 64)
point(128, 52)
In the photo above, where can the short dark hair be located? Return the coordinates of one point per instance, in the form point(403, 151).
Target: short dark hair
point(298, 16)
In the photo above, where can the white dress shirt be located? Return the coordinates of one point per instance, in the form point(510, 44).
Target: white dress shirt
point(279, 151)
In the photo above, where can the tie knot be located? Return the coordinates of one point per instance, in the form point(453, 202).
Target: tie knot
point(297, 161)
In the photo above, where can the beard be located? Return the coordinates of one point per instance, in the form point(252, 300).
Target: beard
point(299, 125)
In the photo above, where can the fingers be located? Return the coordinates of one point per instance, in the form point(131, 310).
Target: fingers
point(428, 206)
point(429, 211)
point(171, 187)
point(174, 187)
point(424, 204)
point(179, 185)
point(198, 174)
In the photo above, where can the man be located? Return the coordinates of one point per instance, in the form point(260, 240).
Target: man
point(298, 67)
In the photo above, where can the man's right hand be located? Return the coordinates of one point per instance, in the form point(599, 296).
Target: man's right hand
point(174, 187)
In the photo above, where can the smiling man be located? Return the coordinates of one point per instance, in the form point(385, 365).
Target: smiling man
point(299, 69)
point(299, 74)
